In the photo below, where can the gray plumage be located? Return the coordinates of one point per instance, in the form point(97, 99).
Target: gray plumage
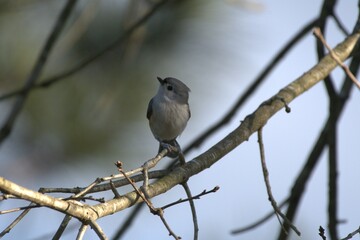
point(168, 112)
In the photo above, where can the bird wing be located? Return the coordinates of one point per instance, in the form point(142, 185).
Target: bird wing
point(189, 111)
point(149, 110)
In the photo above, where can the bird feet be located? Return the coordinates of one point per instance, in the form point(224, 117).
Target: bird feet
point(169, 147)
point(173, 149)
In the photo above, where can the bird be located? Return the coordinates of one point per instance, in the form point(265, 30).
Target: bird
point(168, 113)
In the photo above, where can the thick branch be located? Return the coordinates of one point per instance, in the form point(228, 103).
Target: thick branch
point(69, 207)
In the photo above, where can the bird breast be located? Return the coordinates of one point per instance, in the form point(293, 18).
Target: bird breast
point(168, 119)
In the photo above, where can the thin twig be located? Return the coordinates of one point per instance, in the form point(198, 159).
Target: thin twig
point(12, 210)
point(333, 173)
point(350, 235)
point(156, 211)
point(268, 186)
point(91, 198)
point(340, 25)
point(319, 35)
point(203, 193)
point(81, 232)
point(260, 221)
point(106, 186)
point(96, 227)
point(140, 194)
point(150, 164)
point(62, 227)
point(86, 190)
point(16, 221)
point(114, 190)
point(193, 209)
point(160, 213)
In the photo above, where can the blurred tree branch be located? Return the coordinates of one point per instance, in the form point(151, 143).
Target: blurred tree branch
point(83, 64)
point(37, 69)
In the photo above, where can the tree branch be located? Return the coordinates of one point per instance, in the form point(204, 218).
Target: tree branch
point(277, 210)
point(251, 124)
point(260, 221)
point(193, 209)
point(62, 227)
point(350, 235)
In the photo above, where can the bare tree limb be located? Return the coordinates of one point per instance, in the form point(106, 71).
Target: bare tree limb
point(277, 210)
point(106, 186)
point(350, 235)
point(340, 25)
point(62, 227)
point(190, 197)
point(114, 190)
point(260, 221)
point(332, 173)
point(96, 227)
point(16, 221)
point(193, 210)
point(144, 196)
point(70, 207)
point(82, 231)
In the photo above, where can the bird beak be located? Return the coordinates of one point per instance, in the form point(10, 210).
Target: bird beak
point(160, 80)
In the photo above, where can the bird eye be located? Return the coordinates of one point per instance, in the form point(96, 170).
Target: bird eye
point(170, 88)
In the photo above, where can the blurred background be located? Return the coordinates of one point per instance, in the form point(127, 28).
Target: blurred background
point(73, 131)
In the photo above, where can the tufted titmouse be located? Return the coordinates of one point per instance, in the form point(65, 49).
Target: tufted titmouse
point(168, 113)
